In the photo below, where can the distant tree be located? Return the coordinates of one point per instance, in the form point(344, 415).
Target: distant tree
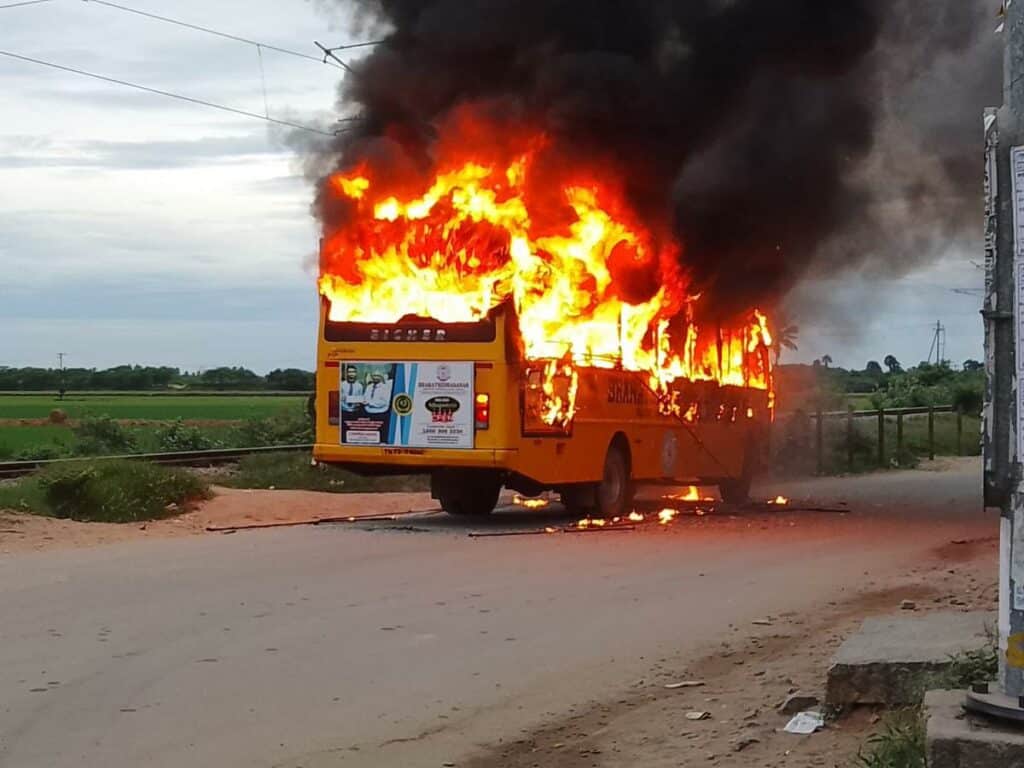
point(826, 360)
point(290, 380)
point(973, 366)
point(874, 368)
point(784, 338)
point(230, 378)
point(816, 364)
point(893, 364)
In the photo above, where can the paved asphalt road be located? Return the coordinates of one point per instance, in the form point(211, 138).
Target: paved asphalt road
point(344, 646)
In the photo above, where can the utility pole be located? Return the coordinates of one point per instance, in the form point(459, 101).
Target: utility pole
point(60, 361)
point(938, 343)
point(1004, 358)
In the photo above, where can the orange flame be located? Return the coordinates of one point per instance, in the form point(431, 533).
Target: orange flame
point(568, 258)
point(692, 493)
point(520, 501)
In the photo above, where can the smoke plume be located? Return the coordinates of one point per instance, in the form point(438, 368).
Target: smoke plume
point(776, 138)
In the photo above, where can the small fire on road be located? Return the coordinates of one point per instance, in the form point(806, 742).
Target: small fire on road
point(538, 503)
point(692, 493)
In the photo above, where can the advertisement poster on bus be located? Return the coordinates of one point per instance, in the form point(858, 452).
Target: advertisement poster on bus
point(414, 405)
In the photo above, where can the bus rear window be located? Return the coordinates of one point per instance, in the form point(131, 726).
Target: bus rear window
point(418, 329)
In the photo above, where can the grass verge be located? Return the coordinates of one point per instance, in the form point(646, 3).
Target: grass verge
point(105, 491)
point(900, 742)
point(292, 471)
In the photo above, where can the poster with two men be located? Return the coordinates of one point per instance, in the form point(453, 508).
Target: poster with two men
point(416, 405)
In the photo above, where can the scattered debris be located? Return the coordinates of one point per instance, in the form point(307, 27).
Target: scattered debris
point(762, 622)
point(550, 530)
point(743, 743)
point(698, 715)
point(908, 605)
point(798, 702)
point(685, 684)
point(805, 723)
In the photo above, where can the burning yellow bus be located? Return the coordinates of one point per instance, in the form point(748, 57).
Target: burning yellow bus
point(494, 333)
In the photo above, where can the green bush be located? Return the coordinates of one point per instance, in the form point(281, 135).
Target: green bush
point(118, 491)
point(41, 453)
point(293, 471)
point(967, 669)
point(969, 397)
point(23, 496)
point(178, 436)
point(102, 436)
point(284, 429)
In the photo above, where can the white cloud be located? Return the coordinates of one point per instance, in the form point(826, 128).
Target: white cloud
point(139, 228)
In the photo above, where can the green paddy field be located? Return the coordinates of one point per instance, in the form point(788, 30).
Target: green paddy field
point(25, 427)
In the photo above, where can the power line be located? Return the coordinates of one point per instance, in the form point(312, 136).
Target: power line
point(218, 33)
point(24, 2)
point(171, 95)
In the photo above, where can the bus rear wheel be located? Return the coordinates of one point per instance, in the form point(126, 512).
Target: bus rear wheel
point(614, 494)
point(610, 498)
point(466, 494)
point(736, 490)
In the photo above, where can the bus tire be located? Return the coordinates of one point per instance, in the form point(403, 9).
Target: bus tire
point(736, 490)
point(614, 494)
point(466, 494)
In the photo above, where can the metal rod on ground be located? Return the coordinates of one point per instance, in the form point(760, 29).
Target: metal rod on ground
point(881, 437)
point(899, 439)
point(849, 439)
point(931, 433)
point(820, 442)
point(316, 521)
point(547, 531)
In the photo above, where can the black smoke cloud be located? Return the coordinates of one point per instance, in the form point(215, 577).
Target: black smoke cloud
point(781, 138)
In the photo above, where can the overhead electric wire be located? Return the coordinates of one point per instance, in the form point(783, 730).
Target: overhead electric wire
point(228, 35)
point(172, 95)
point(24, 2)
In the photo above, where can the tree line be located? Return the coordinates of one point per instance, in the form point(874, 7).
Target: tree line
point(144, 378)
point(886, 385)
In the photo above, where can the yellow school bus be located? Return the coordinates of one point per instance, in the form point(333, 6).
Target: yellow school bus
point(457, 401)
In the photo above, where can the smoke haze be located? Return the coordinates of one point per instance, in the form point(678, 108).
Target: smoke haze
point(777, 140)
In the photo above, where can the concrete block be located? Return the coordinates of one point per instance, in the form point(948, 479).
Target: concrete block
point(885, 661)
point(956, 739)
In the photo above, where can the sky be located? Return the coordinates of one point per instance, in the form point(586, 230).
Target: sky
point(137, 229)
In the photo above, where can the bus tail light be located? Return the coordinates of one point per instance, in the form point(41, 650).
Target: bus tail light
point(482, 411)
point(332, 407)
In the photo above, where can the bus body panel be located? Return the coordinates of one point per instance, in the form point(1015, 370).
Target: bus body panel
point(610, 403)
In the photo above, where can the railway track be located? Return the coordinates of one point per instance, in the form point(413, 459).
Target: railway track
point(9, 469)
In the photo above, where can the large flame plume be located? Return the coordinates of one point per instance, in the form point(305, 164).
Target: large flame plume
point(591, 284)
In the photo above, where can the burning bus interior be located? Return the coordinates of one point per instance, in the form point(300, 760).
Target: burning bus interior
point(556, 249)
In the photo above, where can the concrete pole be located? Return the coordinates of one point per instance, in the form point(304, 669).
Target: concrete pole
point(1003, 487)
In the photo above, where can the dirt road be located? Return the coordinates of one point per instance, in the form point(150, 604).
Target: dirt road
point(412, 644)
